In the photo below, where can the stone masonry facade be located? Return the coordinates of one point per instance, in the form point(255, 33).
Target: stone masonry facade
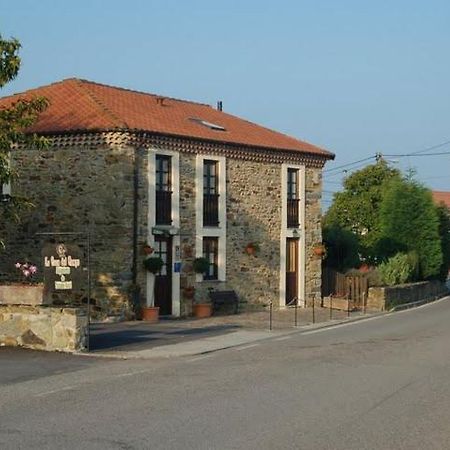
point(102, 188)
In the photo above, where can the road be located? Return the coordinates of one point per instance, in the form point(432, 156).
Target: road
point(380, 383)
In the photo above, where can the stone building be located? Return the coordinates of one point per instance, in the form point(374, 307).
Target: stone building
point(183, 178)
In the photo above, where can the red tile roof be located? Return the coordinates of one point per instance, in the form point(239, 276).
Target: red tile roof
point(441, 197)
point(80, 105)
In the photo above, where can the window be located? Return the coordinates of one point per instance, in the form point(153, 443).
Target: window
point(210, 193)
point(292, 198)
point(211, 253)
point(205, 123)
point(163, 188)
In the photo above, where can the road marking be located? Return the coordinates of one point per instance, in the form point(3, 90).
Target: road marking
point(284, 338)
point(198, 358)
point(130, 374)
point(245, 347)
point(341, 325)
point(55, 391)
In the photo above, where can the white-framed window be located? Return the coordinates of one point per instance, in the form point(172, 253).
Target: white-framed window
point(211, 214)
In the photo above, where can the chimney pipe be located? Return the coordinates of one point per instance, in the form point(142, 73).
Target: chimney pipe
point(219, 105)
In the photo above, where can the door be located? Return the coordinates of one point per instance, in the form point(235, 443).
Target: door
point(163, 280)
point(291, 269)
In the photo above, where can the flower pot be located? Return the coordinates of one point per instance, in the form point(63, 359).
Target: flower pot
point(189, 293)
point(148, 250)
point(150, 314)
point(319, 250)
point(202, 310)
point(251, 249)
point(22, 294)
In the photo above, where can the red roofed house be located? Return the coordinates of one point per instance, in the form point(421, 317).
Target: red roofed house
point(441, 197)
point(183, 178)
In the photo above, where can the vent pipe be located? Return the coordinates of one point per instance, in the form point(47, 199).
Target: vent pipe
point(219, 105)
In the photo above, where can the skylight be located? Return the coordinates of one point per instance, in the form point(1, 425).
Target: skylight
point(205, 123)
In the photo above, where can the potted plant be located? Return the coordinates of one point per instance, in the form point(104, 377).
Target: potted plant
point(147, 249)
point(251, 248)
point(150, 312)
point(28, 291)
point(200, 265)
point(320, 250)
point(189, 292)
point(200, 308)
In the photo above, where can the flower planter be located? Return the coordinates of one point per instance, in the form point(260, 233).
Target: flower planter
point(202, 310)
point(150, 314)
point(251, 249)
point(189, 293)
point(22, 294)
point(319, 250)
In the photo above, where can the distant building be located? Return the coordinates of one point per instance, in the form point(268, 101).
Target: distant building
point(147, 173)
point(441, 197)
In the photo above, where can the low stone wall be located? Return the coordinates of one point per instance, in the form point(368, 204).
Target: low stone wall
point(386, 298)
point(43, 327)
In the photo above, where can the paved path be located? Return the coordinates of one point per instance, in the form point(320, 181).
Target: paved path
point(378, 383)
point(169, 338)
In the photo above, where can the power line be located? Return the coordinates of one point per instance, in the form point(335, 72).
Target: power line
point(431, 148)
point(417, 154)
point(349, 164)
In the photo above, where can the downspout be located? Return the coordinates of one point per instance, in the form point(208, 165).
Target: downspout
point(135, 289)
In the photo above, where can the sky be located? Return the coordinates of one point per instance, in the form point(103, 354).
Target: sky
point(355, 77)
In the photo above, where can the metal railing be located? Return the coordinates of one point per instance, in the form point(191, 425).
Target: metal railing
point(211, 210)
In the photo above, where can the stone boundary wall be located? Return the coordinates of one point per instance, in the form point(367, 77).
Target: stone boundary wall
point(43, 327)
point(386, 298)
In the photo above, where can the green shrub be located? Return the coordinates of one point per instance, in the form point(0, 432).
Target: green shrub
point(396, 270)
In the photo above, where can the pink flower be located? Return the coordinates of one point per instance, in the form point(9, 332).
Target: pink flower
point(26, 272)
point(33, 269)
point(18, 265)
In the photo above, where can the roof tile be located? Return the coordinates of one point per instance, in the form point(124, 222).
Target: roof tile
point(80, 105)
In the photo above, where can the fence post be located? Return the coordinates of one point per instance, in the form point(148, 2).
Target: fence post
point(348, 306)
point(296, 305)
point(270, 315)
point(364, 302)
point(331, 306)
point(313, 309)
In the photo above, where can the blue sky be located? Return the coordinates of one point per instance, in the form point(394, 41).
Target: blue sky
point(355, 77)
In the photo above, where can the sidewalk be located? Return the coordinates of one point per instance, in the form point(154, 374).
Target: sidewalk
point(185, 337)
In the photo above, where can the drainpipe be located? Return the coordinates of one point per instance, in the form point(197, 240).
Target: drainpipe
point(135, 291)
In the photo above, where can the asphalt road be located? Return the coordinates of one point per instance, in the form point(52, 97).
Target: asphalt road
point(381, 383)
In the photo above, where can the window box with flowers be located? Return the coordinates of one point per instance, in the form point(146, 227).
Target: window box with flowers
point(26, 292)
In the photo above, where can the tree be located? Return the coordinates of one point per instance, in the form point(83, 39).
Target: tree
point(409, 220)
point(15, 118)
point(357, 207)
point(342, 248)
point(444, 232)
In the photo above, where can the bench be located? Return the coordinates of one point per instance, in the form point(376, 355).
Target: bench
point(224, 298)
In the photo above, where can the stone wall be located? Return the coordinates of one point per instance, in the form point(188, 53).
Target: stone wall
point(386, 298)
point(253, 215)
point(313, 232)
point(43, 327)
point(76, 190)
point(79, 189)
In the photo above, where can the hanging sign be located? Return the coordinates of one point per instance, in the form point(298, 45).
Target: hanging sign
point(62, 267)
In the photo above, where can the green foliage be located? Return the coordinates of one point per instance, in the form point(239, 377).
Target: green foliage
point(444, 233)
point(14, 120)
point(153, 264)
point(408, 219)
point(342, 248)
point(200, 265)
point(396, 270)
point(356, 208)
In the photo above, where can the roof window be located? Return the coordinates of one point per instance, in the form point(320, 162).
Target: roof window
point(210, 125)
